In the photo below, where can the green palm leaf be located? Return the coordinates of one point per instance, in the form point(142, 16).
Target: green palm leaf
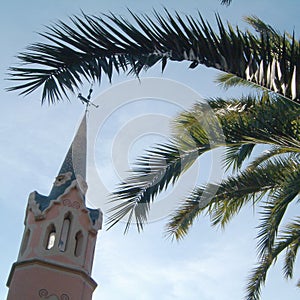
point(270, 153)
point(221, 202)
point(236, 155)
point(277, 203)
point(227, 80)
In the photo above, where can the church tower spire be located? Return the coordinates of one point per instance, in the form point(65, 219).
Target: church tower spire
point(56, 255)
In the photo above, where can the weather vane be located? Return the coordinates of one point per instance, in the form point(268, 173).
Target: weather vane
point(87, 100)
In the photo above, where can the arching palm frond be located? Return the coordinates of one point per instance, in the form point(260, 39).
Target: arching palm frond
point(222, 201)
point(228, 80)
point(236, 155)
point(288, 240)
point(92, 46)
point(270, 153)
point(155, 171)
point(277, 204)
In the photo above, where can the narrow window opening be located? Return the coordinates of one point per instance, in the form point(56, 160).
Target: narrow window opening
point(64, 234)
point(25, 241)
point(78, 243)
point(51, 239)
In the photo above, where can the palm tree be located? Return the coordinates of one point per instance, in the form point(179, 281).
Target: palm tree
point(91, 46)
point(247, 123)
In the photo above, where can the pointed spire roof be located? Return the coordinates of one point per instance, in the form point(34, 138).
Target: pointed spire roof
point(74, 165)
point(75, 161)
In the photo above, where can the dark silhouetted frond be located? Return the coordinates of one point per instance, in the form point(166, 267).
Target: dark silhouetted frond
point(92, 46)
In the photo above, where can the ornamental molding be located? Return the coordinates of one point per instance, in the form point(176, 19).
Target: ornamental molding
point(44, 294)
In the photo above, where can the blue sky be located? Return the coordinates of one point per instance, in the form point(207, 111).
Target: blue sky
point(209, 264)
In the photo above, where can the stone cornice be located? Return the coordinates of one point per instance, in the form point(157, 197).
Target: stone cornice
point(51, 265)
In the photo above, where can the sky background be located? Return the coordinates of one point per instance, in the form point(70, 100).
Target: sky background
point(209, 264)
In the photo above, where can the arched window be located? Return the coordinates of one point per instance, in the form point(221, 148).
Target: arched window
point(51, 235)
point(64, 234)
point(25, 241)
point(78, 243)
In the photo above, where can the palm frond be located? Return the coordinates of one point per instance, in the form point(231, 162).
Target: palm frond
point(228, 80)
point(263, 28)
point(248, 121)
point(222, 202)
point(263, 125)
point(92, 46)
point(278, 202)
point(290, 241)
point(257, 279)
point(269, 154)
point(236, 155)
point(289, 260)
point(153, 173)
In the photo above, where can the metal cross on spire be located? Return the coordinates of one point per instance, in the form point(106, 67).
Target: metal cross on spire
point(87, 100)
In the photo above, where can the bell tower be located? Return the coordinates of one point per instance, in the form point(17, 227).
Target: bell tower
point(56, 254)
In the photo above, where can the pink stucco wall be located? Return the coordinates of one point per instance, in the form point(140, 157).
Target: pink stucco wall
point(33, 281)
